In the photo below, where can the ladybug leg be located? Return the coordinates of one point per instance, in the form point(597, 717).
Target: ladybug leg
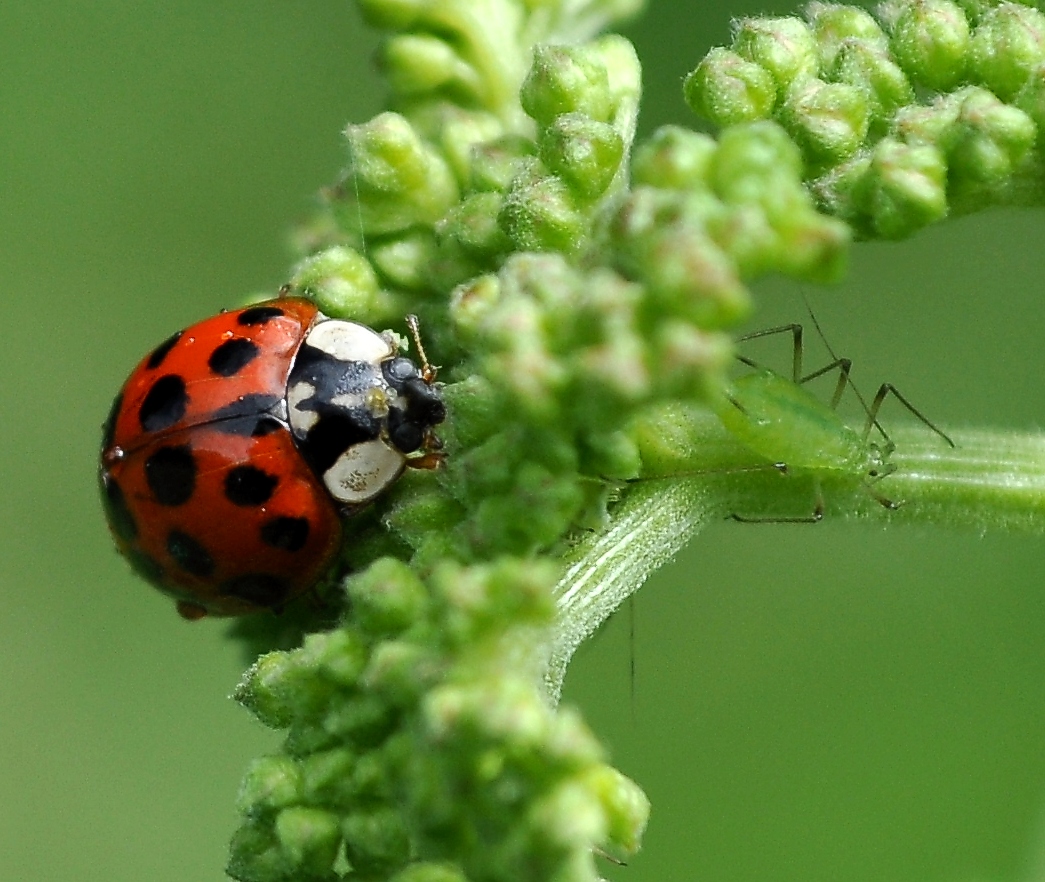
point(191, 612)
point(431, 460)
point(431, 457)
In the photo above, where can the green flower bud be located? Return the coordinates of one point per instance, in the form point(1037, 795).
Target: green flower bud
point(931, 41)
point(929, 125)
point(279, 689)
point(310, 838)
point(726, 88)
point(539, 214)
point(366, 719)
point(417, 63)
point(665, 244)
point(421, 511)
point(990, 141)
point(480, 599)
point(255, 855)
point(395, 181)
point(406, 261)
point(837, 25)
point(566, 79)
point(371, 779)
point(470, 305)
point(674, 158)
point(667, 431)
point(785, 47)
point(1031, 99)
point(626, 809)
point(496, 163)
point(271, 783)
point(690, 362)
point(883, 83)
point(747, 235)
point(569, 817)
point(337, 656)
point(514, 715)
point(399, 671)
point(426, 871)
point(1008, 45)
point(752, 160)
point(570, 743)
point(498, 524)
point(343, 284)
point(455, 133)
point(828, 120)
point(375, 842)
point(585, 153)
point(304, 739)
point(386, 598)
point(611, 455)
point(811, 245)
point(905, 189)
point(396, 15)
point(473, 225)
point(326, 778)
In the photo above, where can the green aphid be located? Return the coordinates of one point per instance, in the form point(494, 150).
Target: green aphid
point(780, 419)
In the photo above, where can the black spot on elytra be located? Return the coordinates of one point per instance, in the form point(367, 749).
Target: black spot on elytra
point(261, 589)
point(109, 426)
point(248, 485)
point(160, 352)
point(171, 474)
point(164, 405)
point(249, 426)
point(286, 533)
point(145, 566)
point(189, 554)
point(251, 406)
point(232, 356)
point(258, 315)
point(121, 521)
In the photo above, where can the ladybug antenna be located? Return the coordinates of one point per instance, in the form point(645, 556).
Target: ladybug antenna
point(428, 371)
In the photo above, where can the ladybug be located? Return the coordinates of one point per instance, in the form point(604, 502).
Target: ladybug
point(237, 445)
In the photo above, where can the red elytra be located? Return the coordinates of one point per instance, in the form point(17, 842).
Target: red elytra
point(214, 492)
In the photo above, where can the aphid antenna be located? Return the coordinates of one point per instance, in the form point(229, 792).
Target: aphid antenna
point(883, 391)
point(872, 420)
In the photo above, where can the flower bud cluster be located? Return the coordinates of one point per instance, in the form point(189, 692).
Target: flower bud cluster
point(420, 748)
point(850, 89)
point(497, 144)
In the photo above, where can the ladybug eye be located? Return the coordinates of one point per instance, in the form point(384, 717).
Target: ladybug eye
point(399, 370)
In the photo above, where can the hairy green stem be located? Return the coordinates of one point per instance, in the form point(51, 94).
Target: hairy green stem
point(990, 479)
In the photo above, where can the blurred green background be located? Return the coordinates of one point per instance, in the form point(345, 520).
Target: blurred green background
point(828, 703)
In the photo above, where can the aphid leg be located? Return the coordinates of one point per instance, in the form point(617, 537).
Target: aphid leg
point(796, 347)
point(843, 365)
point(609, 857)
point(814, 518)
point(884, 501)
point(872, 413)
